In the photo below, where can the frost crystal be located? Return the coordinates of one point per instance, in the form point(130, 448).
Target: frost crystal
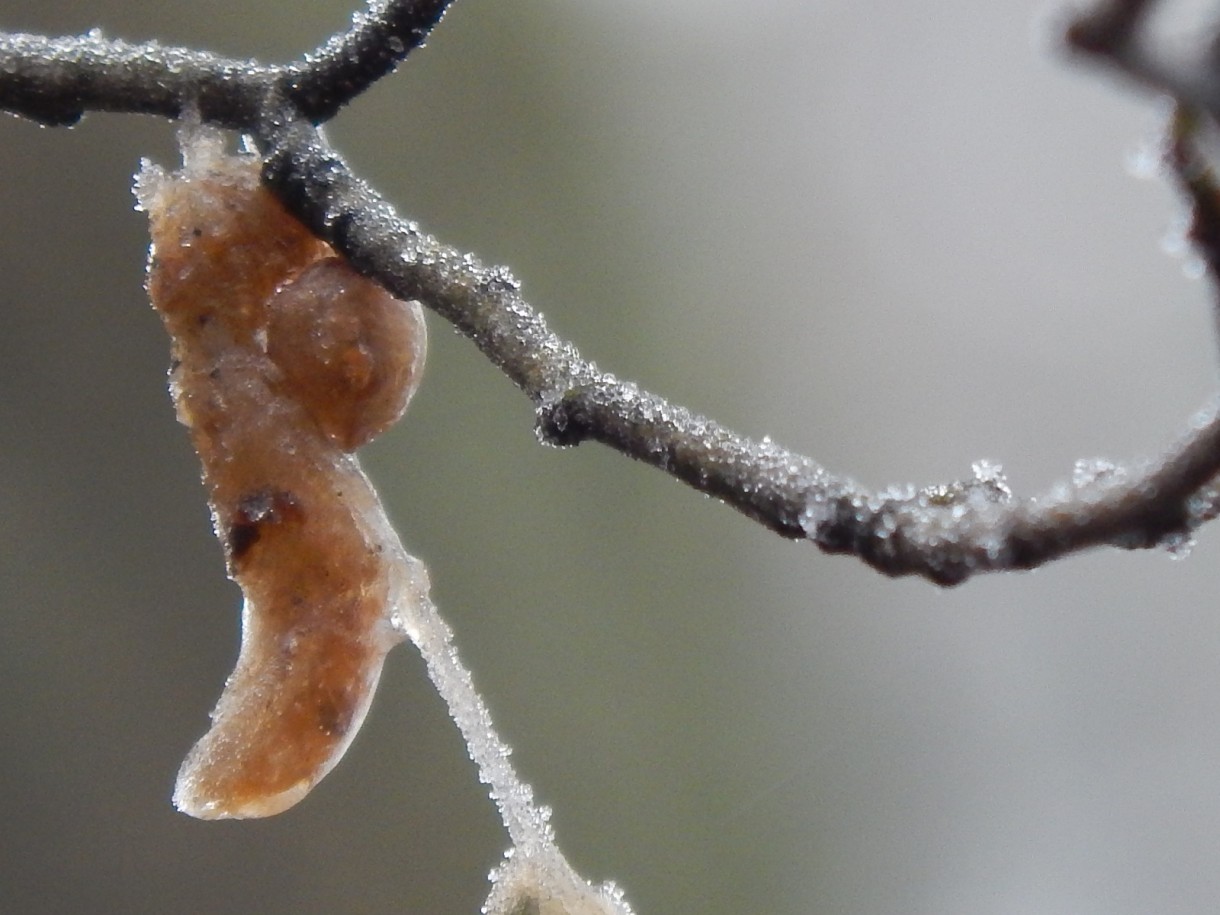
point(1179, 545)
point(1088, 471)
point(990, 481)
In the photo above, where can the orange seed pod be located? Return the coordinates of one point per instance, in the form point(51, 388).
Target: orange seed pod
point(284, 359)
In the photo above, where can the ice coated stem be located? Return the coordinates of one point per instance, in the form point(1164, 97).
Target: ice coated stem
point(535, 872)
point(525, 823)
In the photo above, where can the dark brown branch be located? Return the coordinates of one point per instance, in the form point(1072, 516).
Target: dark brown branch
point(1110, 26)
point(1198, 183)
point(1115, 34)
point(945, 533)
point(352, 61)
point(56, 80)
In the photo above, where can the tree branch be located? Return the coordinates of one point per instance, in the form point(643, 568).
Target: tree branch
point(1115, 34)
point(56, 80)
point(351, 61)
point(944, 533)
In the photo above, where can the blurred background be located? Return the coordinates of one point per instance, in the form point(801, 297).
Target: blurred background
point(896, 237)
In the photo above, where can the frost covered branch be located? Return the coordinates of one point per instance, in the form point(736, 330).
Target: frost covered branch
point(944, 533)
point(56, 80)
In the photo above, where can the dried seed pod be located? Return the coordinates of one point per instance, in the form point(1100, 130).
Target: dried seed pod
point(323, 574)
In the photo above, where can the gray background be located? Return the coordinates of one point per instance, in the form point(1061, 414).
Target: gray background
point(898, 237)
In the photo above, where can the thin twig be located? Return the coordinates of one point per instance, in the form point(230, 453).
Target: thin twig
point(1110, 27)
point(56, 80)
point(1114, 33)
point(351, 61)
point(1197, 180)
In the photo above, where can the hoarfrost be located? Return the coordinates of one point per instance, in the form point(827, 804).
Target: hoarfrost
point(1177, 244)
point(1179, 545)
point(545, 884)
point(990, 481)
point(1089, 471)
point(1146, 161)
